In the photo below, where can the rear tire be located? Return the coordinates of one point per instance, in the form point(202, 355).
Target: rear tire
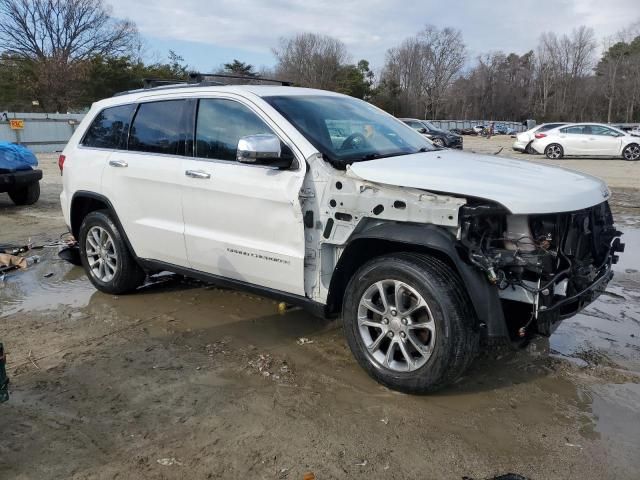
point(529, 149)
point(26, 195)
point(554, 151)
point(631, 152)
point(105, 256)
point(412, 351)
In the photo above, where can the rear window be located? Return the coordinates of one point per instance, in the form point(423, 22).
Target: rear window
point(109, 128)
point(159, 127)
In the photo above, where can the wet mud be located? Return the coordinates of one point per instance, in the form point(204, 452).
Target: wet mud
point(188, 380)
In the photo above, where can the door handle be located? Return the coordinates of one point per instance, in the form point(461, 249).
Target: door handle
point(118, 163)
point(197, 174)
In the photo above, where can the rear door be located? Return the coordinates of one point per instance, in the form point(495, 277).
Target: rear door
point(571, 139)
point(241, 221)
point(144, 182)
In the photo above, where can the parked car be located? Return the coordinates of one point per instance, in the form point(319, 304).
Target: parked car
point(422, 251)
point(18, 175)
point(479, 129)
point(439, 137)
point(463, 131)
point(502, 129)
point(524, 139)
point(587, 139)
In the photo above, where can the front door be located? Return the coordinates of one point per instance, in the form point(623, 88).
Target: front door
point(144, 183)
point(604, 141)
point(242, 222)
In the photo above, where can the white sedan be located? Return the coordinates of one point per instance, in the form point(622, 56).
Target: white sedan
point(524, 139)
point(587, 139)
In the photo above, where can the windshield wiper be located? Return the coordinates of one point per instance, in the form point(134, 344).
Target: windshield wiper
point(375, 156)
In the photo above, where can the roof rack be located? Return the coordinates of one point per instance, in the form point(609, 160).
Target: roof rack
point(199, 80)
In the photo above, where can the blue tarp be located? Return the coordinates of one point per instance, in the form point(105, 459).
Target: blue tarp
point(16, 157)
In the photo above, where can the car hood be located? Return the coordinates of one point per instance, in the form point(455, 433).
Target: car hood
point(521, 186)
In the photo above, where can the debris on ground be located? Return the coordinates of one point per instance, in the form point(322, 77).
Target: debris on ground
point(304, 341)
point(167, 462)
point(265, 365)
point(11, 262)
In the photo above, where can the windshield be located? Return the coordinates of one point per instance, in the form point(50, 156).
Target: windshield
point(347, 130)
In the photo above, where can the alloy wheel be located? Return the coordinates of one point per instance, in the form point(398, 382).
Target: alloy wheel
point(396, 326)
point(632, 152)
point(101, 254)
point(554, 151)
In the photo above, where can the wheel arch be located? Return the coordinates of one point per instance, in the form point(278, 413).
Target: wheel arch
point(83, 203)
point(429, 239)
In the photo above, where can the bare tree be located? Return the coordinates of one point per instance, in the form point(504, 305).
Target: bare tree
point(424, 67)
point(57, 36)
point(310, 59)
point(66, 29)
point(444, 56)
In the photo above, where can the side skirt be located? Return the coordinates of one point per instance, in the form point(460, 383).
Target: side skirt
point(315, 308)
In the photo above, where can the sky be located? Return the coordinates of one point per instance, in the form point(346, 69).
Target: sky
point(210, 33)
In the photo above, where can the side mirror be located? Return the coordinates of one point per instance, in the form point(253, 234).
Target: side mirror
point(422, 130)
point(263, 149)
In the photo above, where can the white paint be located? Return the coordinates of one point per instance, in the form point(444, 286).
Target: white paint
point(522, 187)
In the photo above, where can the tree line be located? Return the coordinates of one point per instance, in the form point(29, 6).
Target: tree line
point(62, 55)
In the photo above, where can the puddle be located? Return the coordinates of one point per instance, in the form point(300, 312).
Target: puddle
point(615, 410)
point(34, 289)
point(609, 328)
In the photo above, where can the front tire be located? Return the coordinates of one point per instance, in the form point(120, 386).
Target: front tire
point(631, 152)
point(438, 142)
point(105, 256)
point(409, 322)
point(554, 151)
point(26, 195)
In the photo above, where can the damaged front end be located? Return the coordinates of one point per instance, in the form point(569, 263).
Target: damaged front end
point(546, 267)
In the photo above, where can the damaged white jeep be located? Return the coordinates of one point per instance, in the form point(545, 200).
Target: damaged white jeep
point(325, 201)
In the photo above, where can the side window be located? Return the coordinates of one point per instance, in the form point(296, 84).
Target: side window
point(159, 127)
point(575, 130)
point(219, 126)
point(604, 131)
point(109, 128)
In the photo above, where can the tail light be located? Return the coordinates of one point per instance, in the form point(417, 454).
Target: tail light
point(540, 135)
point(61, 160)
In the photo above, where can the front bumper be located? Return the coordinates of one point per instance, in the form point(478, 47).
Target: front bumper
point(12, 180)
point(455, 143)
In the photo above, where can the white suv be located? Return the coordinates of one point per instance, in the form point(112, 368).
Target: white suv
point(325, 201)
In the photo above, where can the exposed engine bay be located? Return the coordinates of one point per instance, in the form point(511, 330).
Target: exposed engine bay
point(546, 267)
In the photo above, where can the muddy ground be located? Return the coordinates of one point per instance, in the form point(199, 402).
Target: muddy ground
point(185, 380)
